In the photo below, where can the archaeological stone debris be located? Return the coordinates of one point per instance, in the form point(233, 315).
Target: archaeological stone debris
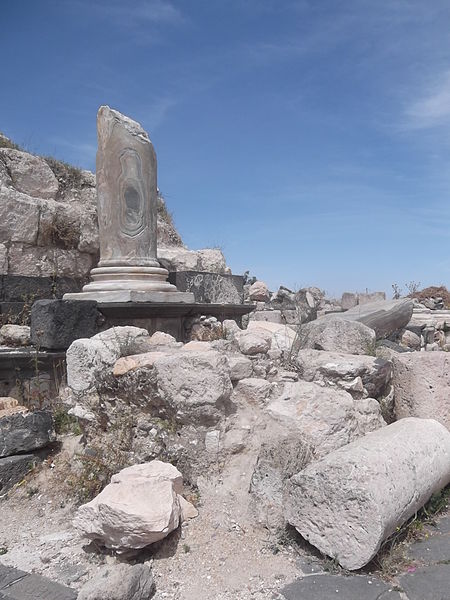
point(171, 430)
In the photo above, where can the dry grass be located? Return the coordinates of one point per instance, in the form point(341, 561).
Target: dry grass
point(435, 292)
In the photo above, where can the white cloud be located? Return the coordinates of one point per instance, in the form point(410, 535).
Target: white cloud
point(433, 108)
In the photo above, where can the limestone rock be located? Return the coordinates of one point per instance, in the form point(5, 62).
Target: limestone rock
point(29, 174)
point(252, 390)
point(421, 386)
point(325, 418)
point(240, 367)
point(410, 340)
point(34, 261)
point(119, 582)
point(282, 337)
point(22, 432)
point(337, 335)
point(385, 318)
point(259, 292)
point(125, 364)
point(230, 329)
point(15, 335)
point(19, 216)
point(87, 358)
point(139, 507)
point(343, 370)
point(348, 502)
point(194, 386)
point(252, 343)
point(175, 258)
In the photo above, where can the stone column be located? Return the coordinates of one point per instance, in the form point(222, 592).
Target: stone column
point(127, 216)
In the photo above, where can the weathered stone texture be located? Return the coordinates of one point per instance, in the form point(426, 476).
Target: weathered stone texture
point(348, 502)
point(22, 432)
point(139, 507)
point(326, 418)
point(337, 335)
point(29, 174)
point(55, 324)
point(346, 371)
point(422, 385)
point(119, 582)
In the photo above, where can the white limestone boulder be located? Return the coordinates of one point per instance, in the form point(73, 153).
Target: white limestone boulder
point(139, 507)
point(358, 374)
point(240, 367)
point(254, 342)
point(259, 292)
point(252, 390)
point(19, 216)
point(351, 500)
point(194, 386)
point(87, 358)
point(326, 418)
point(29, 174)
point(282, 337)
point(422, 385)
point(410, 340)
point(337, 335)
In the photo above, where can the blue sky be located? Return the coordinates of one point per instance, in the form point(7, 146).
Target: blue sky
point(310, 140)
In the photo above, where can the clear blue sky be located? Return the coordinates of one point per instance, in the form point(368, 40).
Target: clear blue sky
point(309, 139)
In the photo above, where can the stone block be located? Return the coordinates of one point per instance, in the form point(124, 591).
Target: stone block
point(421, 385)
point(213, 288)
point(349, 300)
point(371, 297)
point(13, 469)
point(30, 174)
point(55, 324)
point(269, 316)
point(22, 432)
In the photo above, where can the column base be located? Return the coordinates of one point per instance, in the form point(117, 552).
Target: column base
point(106, 297)
point(130, 284)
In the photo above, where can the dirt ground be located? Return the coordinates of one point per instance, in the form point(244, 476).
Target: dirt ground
point(220, 555)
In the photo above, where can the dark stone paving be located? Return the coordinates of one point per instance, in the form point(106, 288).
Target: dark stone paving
point(428, 577)
point(427, 583)
point(18, 585)
point(328, 587)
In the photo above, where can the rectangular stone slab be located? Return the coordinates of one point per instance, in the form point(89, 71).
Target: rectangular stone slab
point(132, 296)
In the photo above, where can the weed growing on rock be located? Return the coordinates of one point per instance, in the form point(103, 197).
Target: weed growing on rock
point(67, 175)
